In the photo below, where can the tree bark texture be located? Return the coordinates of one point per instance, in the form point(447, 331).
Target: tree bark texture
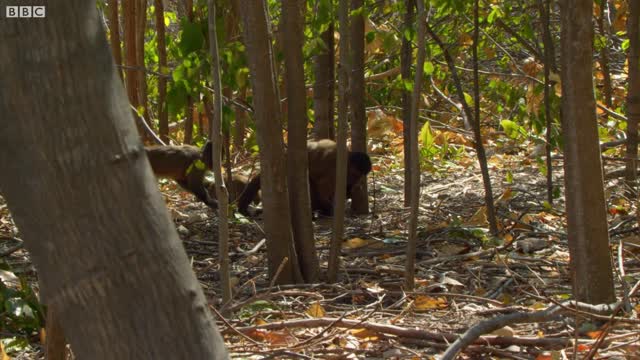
point(114, 35)
point(586, 214)
point(324, 89)
point(163, 114)
point(83, 195)
point(273, 177)
point(633, 96)
point(341, 141)
point(405, 71)
point(359, 198)
point(297, 158)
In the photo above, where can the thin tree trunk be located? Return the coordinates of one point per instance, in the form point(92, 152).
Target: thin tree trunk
point(216, 140)
point(633, 97)
point(240, 128)
point(590, 261)
point(277, 225)
point(604, 57)
point(67, 117)
point(341, 142)
point(409, 279)
point(359, 198)
point(297, 158)
point(188, 123)
point(323, 89)
point(114, 35)
point(544, 7)
point(131, 58)
point(56, 344)
point(405, 70)
point(163, 114)
point(141, 24)
point(482, 157)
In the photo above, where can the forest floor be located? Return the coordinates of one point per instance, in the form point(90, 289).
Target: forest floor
point(516, 283)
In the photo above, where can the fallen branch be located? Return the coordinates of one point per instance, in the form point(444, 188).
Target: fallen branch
point(487, 326)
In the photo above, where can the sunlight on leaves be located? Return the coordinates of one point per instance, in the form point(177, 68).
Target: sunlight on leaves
point(316, 310)
point(423, 302)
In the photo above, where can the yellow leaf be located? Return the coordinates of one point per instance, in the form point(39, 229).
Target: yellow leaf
point(259, 321)
point(316, 310)
point(479, 218)
point(3, 355)
point(423, 302)
point(355, 243)
point(364, 334)
point(506, 195)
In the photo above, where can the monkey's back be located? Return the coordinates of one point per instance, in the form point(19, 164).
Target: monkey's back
point(172, 161)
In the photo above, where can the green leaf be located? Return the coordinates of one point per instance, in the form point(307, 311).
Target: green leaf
point(191, 39)
point(428, 68)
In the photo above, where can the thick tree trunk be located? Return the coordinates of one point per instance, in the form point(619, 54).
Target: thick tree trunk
point(87, 206)
point(163, 114)
point(273, 177)
point(586, 213)
point(359, 198)
point(297, 158)
point(323, 89)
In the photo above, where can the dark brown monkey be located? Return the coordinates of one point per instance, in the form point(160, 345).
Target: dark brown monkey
point(322, 176)
point(235, 189)
point(186, 165)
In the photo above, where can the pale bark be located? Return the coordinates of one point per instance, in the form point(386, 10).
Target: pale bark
point(87, 204)
point(590, 261)
point(297, 159)
point(275, 198)
point(341, 141)
point(359, 198)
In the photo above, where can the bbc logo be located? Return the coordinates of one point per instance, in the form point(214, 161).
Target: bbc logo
point(25, 11)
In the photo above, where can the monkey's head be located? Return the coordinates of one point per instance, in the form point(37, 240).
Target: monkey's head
point(359, 165)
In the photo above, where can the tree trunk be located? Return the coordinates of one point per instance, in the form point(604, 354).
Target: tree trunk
point(55, 343)
point(141, 24)
point(240, 128)
point(633, 97)
point(604, 57)
point(216, 149)
point(87, 206)
point(163, 114)
point(114, 35)
point(590, 262)
point(277, 225)
point(188, 112)
point(341, 142)
point(475, 125)
point(323, 89)
point(409, 279)
point(359, 198)
point(544, 7)
point(405, 71)
point(297, 158)
point(131, 58)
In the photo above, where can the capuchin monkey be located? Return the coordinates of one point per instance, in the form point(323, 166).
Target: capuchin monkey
point(236, 188)
point(322, 176)
point(186, 165)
